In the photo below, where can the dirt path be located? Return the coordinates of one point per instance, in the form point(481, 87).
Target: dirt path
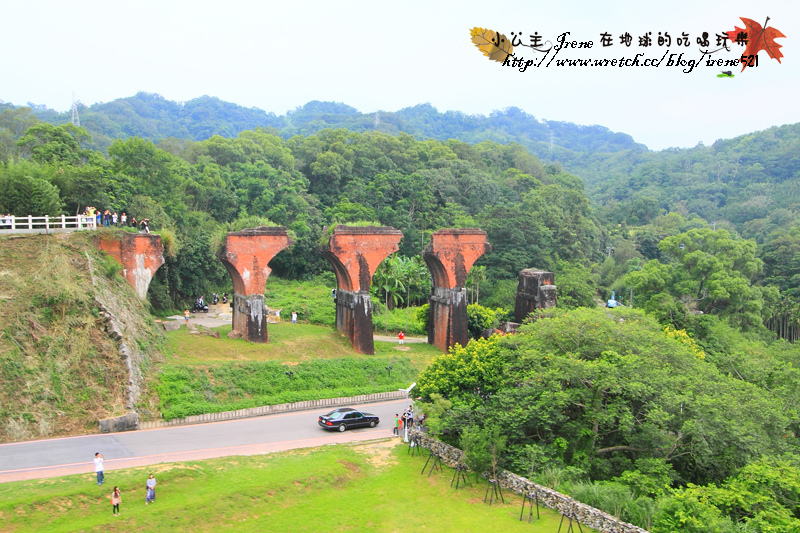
point(389, 338)
point(219, 315)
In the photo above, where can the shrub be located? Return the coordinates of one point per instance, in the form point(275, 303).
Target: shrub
point(110, 266)
point(480, 318)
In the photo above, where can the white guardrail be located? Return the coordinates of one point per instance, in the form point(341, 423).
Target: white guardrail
point(46, 224)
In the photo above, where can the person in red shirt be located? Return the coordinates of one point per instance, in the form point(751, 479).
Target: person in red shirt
point(400, 337)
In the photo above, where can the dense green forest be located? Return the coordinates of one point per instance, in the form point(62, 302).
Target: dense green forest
point(685, 409)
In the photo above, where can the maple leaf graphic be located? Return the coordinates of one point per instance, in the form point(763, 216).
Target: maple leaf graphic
point(486, 41)
point(758, 39)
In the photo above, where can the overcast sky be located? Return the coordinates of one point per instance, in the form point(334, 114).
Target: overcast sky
point(379, 55)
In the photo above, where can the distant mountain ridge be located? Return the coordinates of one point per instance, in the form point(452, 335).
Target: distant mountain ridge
point(153, 117)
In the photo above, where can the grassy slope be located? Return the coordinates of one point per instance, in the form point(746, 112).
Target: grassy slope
point(206, 374)
point(59, 370)
point(336, 488)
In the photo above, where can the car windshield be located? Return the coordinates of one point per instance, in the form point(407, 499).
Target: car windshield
point(335, 415)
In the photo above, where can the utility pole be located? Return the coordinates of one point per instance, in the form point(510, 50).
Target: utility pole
point(76, 120)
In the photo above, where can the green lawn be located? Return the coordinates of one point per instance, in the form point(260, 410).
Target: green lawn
point(287, 343)
point(375, 487)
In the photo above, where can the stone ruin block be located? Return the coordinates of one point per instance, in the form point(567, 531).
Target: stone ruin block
point(536, 290)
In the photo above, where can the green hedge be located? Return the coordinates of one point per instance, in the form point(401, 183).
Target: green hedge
point(187, 390)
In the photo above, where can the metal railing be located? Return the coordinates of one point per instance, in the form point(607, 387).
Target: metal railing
point(46, 224)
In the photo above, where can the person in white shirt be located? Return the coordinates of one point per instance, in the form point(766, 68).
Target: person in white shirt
point(98, 468)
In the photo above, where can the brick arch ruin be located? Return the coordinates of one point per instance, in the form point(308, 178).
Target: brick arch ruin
point(449, 256)
point(140, 254)
point(246, 255)
point(355, 253)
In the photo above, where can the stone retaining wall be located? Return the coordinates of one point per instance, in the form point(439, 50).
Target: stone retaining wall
point(585, 514)
point(272, 409)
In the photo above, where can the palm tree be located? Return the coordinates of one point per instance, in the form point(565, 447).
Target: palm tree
point(389, 279)
point(476, 275)
point(416, 277)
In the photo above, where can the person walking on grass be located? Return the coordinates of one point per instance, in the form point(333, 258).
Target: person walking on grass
point(151, 490)
point(186, 316)
point(294, 317)
point(98, 468)
point(116, 499)
point(401, 337)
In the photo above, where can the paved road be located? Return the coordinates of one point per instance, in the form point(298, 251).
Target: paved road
point(73, 455)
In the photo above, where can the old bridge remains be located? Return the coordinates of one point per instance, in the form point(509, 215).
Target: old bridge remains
point(354, 253)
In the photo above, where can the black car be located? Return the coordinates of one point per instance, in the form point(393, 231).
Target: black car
point(346, 418)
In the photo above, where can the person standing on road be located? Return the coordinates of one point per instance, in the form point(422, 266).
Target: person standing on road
point(410, 412)
point(116, 499)
point(98, 468)
point(186, 316)
point(396, 430)
point(151, 490)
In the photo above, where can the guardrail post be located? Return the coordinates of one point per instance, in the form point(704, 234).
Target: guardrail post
point(30, 222)
point(64, 222)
